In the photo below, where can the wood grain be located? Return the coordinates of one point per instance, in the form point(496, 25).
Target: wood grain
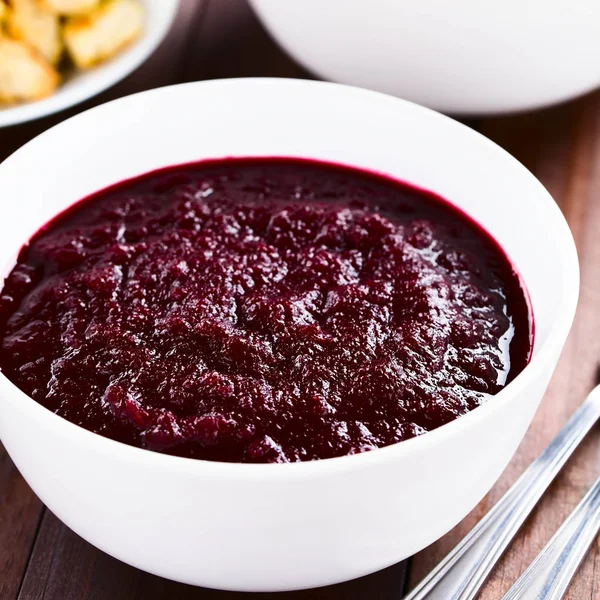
point(561, 146)
point(41, 559)
point(232, 43)
point(20, 512)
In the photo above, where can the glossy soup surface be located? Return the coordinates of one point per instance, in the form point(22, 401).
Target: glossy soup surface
point(262, 310)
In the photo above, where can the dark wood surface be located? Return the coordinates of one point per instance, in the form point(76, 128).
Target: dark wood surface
point(40, 559)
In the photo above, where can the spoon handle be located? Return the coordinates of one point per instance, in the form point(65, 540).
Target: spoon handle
point(463, 571)
point(549, 575)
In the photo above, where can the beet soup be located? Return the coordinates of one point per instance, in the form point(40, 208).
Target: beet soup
point(262, 310)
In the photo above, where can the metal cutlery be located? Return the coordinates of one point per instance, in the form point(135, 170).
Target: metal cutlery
point(460, 575)
point(549, 575)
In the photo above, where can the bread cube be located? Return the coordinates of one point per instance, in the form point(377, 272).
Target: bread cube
point(70, 7)
point(24, 74)
point(28, 22)
point(97, 36)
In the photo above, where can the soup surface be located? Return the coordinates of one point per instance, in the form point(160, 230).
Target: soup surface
point(262, 310)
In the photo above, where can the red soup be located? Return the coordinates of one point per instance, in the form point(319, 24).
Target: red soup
point(262, 310)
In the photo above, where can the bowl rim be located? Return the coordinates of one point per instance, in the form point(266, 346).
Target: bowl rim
point(542, 358)
point(98, 81)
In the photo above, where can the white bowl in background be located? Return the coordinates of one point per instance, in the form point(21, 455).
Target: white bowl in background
point(461, 57)
point(82, 85)
point(283, 526)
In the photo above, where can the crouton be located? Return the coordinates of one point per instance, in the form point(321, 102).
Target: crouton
point(30, 23)
point(92, 38)
point(3, 11)
point(70, 7)
point(24, 74)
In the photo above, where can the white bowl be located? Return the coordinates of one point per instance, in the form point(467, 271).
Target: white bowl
point(81, 85)
point(281, 527)
point(461, 57)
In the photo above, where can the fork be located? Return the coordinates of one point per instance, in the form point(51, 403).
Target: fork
point(460, 575)
point(549, 575)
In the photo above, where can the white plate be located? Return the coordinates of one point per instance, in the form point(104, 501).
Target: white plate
point(159, 15)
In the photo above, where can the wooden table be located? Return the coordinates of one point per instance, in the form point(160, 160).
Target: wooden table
point(41, 559)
